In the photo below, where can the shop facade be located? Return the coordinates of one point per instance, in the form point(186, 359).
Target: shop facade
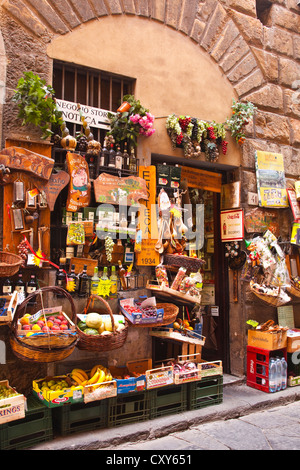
point(188, 59)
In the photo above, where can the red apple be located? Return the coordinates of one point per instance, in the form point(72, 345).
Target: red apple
point(45, 329)
point(40, 323)
point(55, 327)
point(52, 318)
point(26, 327)
point(64, 322)
point(57, 321)
point(60, 317)
point(63, 326)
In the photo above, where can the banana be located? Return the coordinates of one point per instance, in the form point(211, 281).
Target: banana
point(94, 369)
point(81, 372)
point(108, 377)
point(95, 377)
point(78, 378)
point(101, 377)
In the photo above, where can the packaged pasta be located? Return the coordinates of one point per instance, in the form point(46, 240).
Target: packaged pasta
point(161, 275)
point(178, 278)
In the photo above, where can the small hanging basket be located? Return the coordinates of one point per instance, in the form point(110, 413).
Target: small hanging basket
point(9, 264)
point(170, 314)
point(43, 347)
point(293, 289)
point(107, 342)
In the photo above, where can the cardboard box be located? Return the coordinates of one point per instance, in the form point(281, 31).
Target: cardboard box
point(267, 340)
point(293, 340)
point(11, 408)
point(54, 398)
point(138, 316)
point(135, 383)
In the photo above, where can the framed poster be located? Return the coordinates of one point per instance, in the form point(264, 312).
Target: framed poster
point(259, 220)
point(232, 225)
point(270, 179)
point(295, 206)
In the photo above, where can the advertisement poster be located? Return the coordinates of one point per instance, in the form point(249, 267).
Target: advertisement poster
point(270, 177)
point(295, 206)
point(295, 235)
point(259, 220)
point(232, 225)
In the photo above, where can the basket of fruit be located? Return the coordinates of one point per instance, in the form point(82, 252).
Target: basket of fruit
point(48, 335)
point(100, 331)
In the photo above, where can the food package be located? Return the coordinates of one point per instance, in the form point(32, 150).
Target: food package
point(79, 194)
point(161, 275)
point(178, 278)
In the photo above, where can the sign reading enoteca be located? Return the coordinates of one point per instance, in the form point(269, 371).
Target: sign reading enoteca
point(232, 225)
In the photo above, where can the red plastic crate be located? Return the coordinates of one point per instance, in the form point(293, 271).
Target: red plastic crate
point(258, 366)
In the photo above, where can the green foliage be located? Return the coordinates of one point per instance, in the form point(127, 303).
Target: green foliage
point(242, 113)
point(36, 104)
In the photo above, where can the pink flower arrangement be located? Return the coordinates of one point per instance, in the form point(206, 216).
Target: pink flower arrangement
point(145, 123)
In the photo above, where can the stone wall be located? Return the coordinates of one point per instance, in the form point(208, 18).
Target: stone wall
point(256, 50)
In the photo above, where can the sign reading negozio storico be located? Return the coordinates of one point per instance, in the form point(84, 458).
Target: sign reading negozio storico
point(95, 117)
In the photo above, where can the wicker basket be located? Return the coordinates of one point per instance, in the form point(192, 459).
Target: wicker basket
point(274, 300)
point(293, 290)
point(43, 347)
point(101, 342)
point(192, 264)
point(170, 314)
point(9, 264)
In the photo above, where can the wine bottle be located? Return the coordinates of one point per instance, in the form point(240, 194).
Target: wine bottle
point(119, 158)
point(112, 157)
point(92, 169)
point(7, 287)
point(132, 161)
point(20, 284)
point(73, 277)
point(32, 286)
point(83, 287)
point(125, 157)
point(60, 280)
point(114, 283)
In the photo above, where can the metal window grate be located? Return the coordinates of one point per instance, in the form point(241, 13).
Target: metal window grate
point(90, 87)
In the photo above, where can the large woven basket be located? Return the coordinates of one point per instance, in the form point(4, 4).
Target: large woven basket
point(9, 264)
point(101, 342)
point(293, 289)
point(45, 347)
point(274, 300)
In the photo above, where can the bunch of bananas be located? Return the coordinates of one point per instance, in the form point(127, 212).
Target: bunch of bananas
point(97, 375)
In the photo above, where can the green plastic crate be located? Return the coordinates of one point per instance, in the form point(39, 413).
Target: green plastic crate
point(80, 417)
point(128, 408)
point(205, 392)
point(168, 400)
point(22, 433)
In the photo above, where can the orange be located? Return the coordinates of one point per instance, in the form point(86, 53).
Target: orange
point(24, 320)
point(49, 324)
point(36, 328)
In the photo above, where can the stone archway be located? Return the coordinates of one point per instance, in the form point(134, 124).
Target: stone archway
point(222, 33)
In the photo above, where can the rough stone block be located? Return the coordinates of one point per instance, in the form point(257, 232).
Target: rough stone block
point(280, 16)
point(67, 12)
point(24, 16)
point(214, 28)
point(272, 127)
point(173, 11)
point(46, 11)
point(249, 83)
point(99, 7)
point(289, 71)
point(229, 34)
point(279, 40)
point(251, 28)
point(246, 6)
point(269, 96)
point(158, 10)
point(114, 7)
point(295, 131)
point(142, 7)
point(188, 15)
point(292, 102)
point(245, 66)
point(236, 51)
point(268, 63)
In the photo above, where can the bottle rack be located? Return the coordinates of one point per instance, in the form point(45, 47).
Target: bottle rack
point(258, 366)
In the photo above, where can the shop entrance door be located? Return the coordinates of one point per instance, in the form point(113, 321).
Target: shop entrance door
point(203, 194)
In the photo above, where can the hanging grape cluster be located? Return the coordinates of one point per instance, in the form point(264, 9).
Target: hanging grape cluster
point(23, 252)
point(109, 246)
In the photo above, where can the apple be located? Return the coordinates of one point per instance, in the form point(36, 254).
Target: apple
point(57, 321)
point(60, 317)
point(55, 327)
point(51, 318)
point(64, 322)
point(26, 327)
point(63, 326)
point(45, 329)
point(40, 323)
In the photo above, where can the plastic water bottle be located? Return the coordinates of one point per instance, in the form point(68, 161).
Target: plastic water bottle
point(278, 374)
point(272, 375)
point(283, 373)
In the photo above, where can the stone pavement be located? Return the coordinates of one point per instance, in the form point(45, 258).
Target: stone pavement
point(246, 419)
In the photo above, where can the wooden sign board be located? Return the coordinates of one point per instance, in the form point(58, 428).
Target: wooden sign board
point(202, 179)
point(80, 262)
point(53, 187)
point(231, 195)
point(21, 159)
point(111, 189)
point(258, 220)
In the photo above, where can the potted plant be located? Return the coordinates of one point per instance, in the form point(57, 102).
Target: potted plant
point(135, 121)
point(242, 113)
point(36, 104)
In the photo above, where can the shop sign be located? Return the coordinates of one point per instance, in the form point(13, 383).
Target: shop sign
point(95, 117)
point(110, 189)
point(202, 179)
point(270, 179)
point(148, 220)
point(259, 220)
point(231, 195)
point(295, 206)
point(232, 225)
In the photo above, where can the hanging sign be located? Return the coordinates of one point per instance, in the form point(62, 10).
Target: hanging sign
point(294, 203)
point(202, 179)
point(95, 117)
point(111, 189)
point(270, 179)
point(231, 195)
point(21, 159)
point(258, 220)
point(147, 256)
point(232, 225)
point(53, 187)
